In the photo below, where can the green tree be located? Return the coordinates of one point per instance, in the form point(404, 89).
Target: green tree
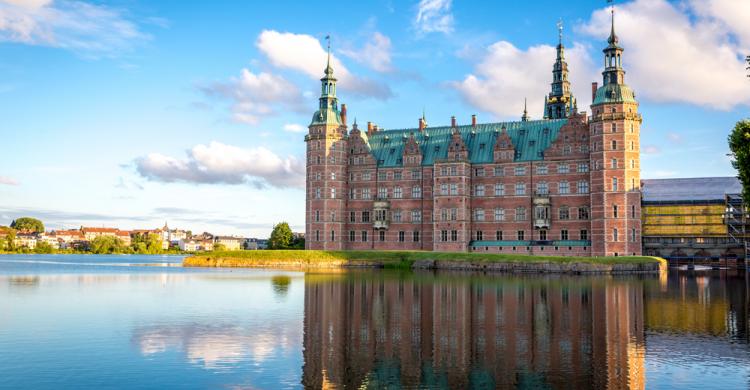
point(43, 247)
point(28, 225)
point(281, 236)
point(106, 245)
point(149, 243)
point(10, 240)
point(219, 247)
point(739, 144)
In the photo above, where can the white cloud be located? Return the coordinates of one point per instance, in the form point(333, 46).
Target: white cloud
point(8, 181)
point(507, 74)
point(303, 53)
point(294, 128)
point(689, 53)
point(651, 149)
point(88, 29)
point(375, 54)
point(217, 163)
point(254, 96)
point(434, 16)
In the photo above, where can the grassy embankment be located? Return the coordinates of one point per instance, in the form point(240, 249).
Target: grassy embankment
point(389, 259)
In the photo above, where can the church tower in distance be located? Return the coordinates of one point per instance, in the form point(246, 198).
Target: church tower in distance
point(615, 155)
point(560, 103)
point(326, 169)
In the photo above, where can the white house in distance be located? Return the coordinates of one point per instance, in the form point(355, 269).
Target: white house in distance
point(229, 242)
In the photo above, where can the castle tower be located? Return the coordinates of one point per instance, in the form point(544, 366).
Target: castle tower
point(326, 169)
point(615, 159)
point(560, 103)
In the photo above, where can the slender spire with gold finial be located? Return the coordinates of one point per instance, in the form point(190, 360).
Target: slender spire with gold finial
point(525, 117)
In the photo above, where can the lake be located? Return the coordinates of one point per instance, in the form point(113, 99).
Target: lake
point(70, 321)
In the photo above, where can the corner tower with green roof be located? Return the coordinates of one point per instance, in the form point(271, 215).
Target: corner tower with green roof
point(615, 153)
point(326, 169)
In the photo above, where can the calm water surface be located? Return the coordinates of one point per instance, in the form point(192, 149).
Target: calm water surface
point(144, 322)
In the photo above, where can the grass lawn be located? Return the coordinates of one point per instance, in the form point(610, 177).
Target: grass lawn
point(230, 258)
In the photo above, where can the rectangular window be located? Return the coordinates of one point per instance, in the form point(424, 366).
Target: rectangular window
point(543, 235)
point(333, 193)
point(614, 184)
point(454, 189)
point(583, 187)
point(317, 235)
point(613, 163)
point(564, 213)
point(632, 235)
point(382, 193)
point(563, 187)
point(583, 167)
point(584, 234)
point(381, 176)
point(397, 194)
point(365, 216)
point(333, 235)
point(401, 236)
point(563, 168)
point(366, 193)
point(499, 171)
point(396, 215)
point(479, 235)
point(519, 170)
point(416, 192)
point(416, 216)
point(352, 235)
point(443, 171)
point(520, 235)
point(479, 172)
point(416, 174)
point(317, 215)
point(454, 214)
point(499, 189)
point(479, 190)
point(614, 211)
point(415, 236)
point(583, 213)
point(444, 189)
point(542, 188)
point(381, 235)
point(454, 235)
point(499, 214)
point(520, 189)
point(563, 234)
point(632, 211)
point(443, 235)
point(352, 216)
point(541, 169)
point(366, 176)
point(615, 235)
point(479, 215)
point(443, 214)
point(499, 235)
point(364, 236)
point(454, 170)
point(397, 175)
point(520, 213)
point(317, 193)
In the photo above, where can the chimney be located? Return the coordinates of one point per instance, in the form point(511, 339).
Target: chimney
point(453, 121)
point(369, 128)
point(594, 87)
point(343, 114)
point(421, 124)
point(473, 120)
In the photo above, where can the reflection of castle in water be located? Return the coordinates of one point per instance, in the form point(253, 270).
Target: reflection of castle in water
point(473, 333)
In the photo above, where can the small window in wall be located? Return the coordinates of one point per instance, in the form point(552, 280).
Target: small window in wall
point(382, 235)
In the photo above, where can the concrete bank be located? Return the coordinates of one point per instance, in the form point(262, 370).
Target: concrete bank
point(428, 260)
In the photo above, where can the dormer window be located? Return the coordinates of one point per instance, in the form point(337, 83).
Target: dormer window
point(481, 146)
point(437, 148)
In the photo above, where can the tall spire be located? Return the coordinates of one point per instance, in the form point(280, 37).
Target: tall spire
point(328, 70)
point(560, 103)
point(613, 72)
point(525, 117)
point(328, 110)
point(613, 40)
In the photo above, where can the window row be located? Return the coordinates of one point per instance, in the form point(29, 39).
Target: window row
point(520, 235)
point(499, 214)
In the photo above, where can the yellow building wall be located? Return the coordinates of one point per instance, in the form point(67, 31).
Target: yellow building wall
point(683, 220)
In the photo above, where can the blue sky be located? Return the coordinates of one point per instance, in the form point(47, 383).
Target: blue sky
point(132, 112)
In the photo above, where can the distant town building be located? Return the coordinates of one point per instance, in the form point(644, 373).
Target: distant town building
point(26, 240)
point(229, 242)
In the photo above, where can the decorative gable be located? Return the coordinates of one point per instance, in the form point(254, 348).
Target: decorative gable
point(572, 141)
point(457, 148)
point(504, 150)
point(412, 154)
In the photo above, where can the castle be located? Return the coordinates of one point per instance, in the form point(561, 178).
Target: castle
point(567, 184)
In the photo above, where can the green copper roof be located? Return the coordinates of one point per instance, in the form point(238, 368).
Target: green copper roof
point(614, 93)
point(328, 117)
point(530, 139)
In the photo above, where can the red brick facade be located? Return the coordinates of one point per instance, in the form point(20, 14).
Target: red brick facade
point(566, 185)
